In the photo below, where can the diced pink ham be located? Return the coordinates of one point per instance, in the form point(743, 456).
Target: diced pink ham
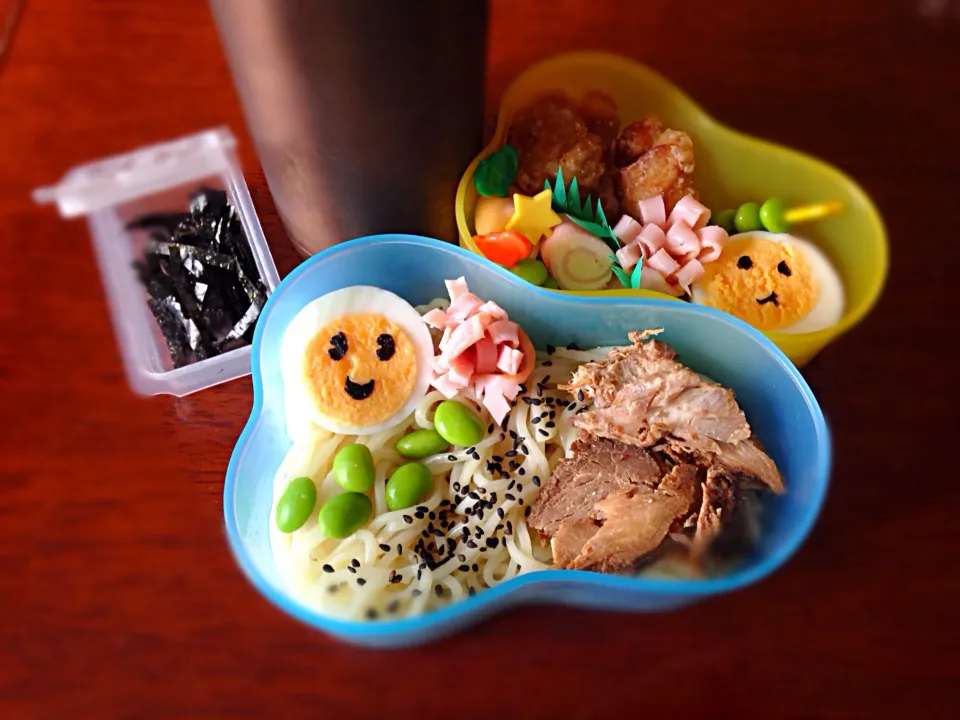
point(651, 279)
point(504, 331)
point(629, 255)
point(627, 229)
point(652, 210)
point(445, 339)
point(509, 360)
point(496, 384)
point(651, 239)
point(466, 334)
point(661, 262)
point(448, 389)
point(440, 364)
point(712, 240)
point(462, 368)
point(497, 405)
point(493, 310)
point(486, 355)
point(436, 318)
point(456, 288)
point(682, 240)
point(689, 273)
point(464, 306)
point(691, 211)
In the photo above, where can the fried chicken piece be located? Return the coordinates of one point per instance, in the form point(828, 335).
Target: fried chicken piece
point(549, 135)
point(599, 112)
point(654, 161)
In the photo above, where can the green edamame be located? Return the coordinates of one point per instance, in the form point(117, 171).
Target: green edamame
point(296, 504)
point(551, 283)
point(421, 443)
point(724, 219)
point(458, 424)
point(748, 218)
point(344, 514)
point(353, 468)
point(773, 216)
point(533, 271)
point(409, 485)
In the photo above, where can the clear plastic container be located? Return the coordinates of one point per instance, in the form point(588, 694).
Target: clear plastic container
point(157, 178)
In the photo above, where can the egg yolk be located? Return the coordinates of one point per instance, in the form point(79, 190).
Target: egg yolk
point(765, 283)
point(360, 369)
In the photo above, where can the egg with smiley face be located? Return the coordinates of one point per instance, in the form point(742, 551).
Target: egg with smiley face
point(774, 281)
point(355, 361)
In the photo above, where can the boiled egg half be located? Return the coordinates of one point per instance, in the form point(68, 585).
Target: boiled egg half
point(355, 361)
point(774, 281)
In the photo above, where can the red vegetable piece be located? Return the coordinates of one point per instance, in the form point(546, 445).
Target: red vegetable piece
point(505, 248)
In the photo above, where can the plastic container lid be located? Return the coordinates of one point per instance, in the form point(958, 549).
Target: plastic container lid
point(157, 178)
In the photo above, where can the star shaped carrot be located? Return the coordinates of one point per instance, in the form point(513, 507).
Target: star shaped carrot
point(533, 217)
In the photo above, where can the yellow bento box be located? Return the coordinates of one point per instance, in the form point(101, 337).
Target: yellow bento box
point(731, 167)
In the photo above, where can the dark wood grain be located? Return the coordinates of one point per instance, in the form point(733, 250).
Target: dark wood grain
point(119, 596)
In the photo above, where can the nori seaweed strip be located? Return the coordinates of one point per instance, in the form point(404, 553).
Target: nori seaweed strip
point(172, 333)
point(168, 221)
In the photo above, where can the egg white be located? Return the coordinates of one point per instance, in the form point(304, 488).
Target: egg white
point(301, 413)
point(830, 304)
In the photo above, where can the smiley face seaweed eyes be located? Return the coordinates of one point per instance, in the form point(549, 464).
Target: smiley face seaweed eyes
point(745, 263)
point(388, 352)
point(783, 268)
point(338, 346)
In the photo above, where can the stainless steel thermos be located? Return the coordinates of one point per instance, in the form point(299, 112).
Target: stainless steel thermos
point(364, 113)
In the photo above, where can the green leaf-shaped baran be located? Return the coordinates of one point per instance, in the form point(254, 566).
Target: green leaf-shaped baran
point(589, 215)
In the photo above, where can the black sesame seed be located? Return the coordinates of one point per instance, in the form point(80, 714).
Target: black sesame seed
point(355, 563)
point(491, 542)
point(546, 379)
point(490, 428)
point(483, 549)
point(397, 578)
point(526, 511)
point(523, 387)
point(550, 349)
point(500, 513)
point(513, 434)
point(525, 450)
point(580, 395)
point(476, 568)
point(456, 487)
point(480, 514)
point(473, 495)
point(511, 453)
point(498, 458)
point(471, 544)
point(361, 582)
point(475, 455)
point(419, 573)
point(451, 544)
point(470, 450)
point(519, 487)
point(452, 458)
point(551, 424)
point(536, 480)
point(528, 400)
point(438, 532)
point(407, 519)
point(464, 568)
point(399, 549)
point(509, 496)
point(422, 508)
point(352, 569)
point(511, 484)
point(461, 557)
point(479, 533)
point(471, 591)
point(492, 500)
point(536, 420)
point(482, 490)
point(547, 363)
point(521, 471)
point(509, 529)
point(571, 405)
point(542, 431)
point(519, 501)
point(438, 589)
point(444, 502)
point(416, 592)
point(392, 575)
point(384, 547)
point(425, 534)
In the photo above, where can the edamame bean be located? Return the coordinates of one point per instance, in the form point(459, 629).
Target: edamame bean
point(724, 219)
point(748, 218)
point(344, 514)
point(773, 216)
point(421, 443)
point(551, 283)
point(296, 504)
point(458, 424)
point(410, 484)
point(533, 271)
point(353, 468)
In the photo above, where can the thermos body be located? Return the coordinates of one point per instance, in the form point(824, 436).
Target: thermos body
point(364, 113)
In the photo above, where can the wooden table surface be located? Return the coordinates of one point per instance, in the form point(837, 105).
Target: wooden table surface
point(119, 596)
